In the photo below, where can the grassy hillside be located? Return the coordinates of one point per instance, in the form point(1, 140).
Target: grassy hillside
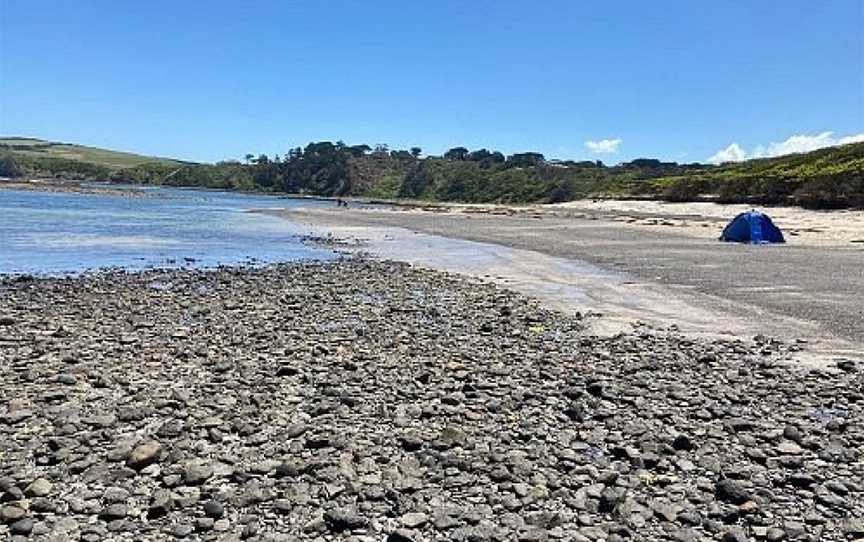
point(38, 148)
point(831, 177)
point(23, 156)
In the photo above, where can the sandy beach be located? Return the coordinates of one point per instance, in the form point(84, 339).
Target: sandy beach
point(803, 227)
point(701, 220)
point(619, 261)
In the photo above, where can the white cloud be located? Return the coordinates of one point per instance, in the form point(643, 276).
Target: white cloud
point(796, 144)
point(732, 153)
point(604, 146)
point(855, 138)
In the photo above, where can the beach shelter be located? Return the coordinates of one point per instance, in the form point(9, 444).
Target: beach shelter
point(752, 227)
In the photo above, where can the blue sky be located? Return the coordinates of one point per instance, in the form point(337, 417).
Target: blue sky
point(208, 80)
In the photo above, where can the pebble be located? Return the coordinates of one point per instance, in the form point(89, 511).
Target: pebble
point(197, 472)
point(144, 454)
point(214, 509)
point(414, 519)
point(364, 400)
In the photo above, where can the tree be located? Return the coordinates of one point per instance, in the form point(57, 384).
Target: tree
point(456, 153)
point(249, 157)
point(525, 159)
point(401, 155)
point(359, 150)
point(416, 152)
point(416, 181)
point(8, 166)
point(381, 149)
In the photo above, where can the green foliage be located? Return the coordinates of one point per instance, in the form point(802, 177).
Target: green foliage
point(525, 159)
point(37, 165)
point(416, 181)
point(8, 166)
point(38, 149)
point(832, 177)
point(456, 153)
point(825, 178)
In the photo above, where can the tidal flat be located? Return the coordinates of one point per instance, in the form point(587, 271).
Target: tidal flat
point(360, 399)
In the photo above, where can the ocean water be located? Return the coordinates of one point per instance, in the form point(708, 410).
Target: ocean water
point(59, 233)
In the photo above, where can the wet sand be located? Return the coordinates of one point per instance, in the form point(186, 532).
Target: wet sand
point(629, 273)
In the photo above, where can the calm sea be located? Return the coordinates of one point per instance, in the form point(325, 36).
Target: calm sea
point(57, 233)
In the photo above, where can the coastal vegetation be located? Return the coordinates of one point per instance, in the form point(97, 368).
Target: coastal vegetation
point(826, 178)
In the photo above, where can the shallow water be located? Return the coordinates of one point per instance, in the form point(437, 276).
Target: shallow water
point(57, 233)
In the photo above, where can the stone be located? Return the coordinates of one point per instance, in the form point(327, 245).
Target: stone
point(735, 534)
point(402, 535)
point(144, 454)
point(160, 504)
point(283, 506)
point(343, 519)
point(40, 487)
point(213, 509)
point(732, 491)
point(853, 527)
point(115, 495)
point(412, 410)
point(182, 530)
point(197, 472)
point(114, 511)
point(444, 521)
point(11, 513)
point(412, 520)
point(23, 526)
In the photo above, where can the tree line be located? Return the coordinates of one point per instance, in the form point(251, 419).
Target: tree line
point(825, 178)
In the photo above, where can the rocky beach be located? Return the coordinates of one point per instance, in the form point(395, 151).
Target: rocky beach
point(72, 187)
point(368, 400)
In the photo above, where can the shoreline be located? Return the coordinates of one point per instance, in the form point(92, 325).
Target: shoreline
point(824, 227)
point(587, 264)
point(362, 398)
point(71, 187)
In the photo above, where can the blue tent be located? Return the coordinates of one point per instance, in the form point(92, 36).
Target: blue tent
point(752, 227)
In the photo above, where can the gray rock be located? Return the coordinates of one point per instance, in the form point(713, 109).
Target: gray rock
point(11, 514)
point(732, 491)
point(343, 519)
point(214, 509)
point(144, 454)
point(197, 472)
point(182, 530)
point(23, 526)
point(412, 520)
point(40, 487)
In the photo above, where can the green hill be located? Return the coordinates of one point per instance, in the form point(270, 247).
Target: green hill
point(831, 177)
point(38, 148)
